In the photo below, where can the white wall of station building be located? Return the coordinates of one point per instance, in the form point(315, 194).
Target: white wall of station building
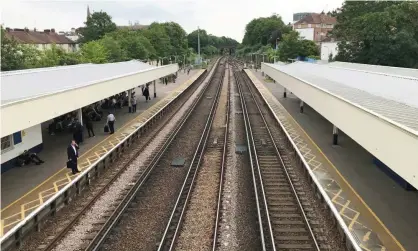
point(306, 33)
point(30, 138)
point(327, 48)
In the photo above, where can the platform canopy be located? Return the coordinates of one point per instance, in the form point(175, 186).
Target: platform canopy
point(378, 109)
point(387, 70)
point(38, 95)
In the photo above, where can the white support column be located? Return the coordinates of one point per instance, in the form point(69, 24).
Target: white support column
point(155, 90)
point(80, 115)
point(284, 93)
point(129, 100)
point(301, 106)
point(334, 135)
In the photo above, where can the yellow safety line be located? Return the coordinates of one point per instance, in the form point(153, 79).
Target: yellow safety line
point(344, 207)
point(345, 181)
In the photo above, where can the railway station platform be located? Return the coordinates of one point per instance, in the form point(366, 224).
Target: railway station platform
point(375, 209)
point(23, 189)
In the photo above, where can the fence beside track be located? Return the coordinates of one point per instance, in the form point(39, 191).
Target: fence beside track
point(16, 235)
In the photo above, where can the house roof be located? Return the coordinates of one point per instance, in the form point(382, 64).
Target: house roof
point(26, 36)
point(316, 18)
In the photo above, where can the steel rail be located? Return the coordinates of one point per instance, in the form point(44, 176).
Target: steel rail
point(301, 209)
point(255, 165)
point(221, 180)
point(99, 239)
point(168, 242)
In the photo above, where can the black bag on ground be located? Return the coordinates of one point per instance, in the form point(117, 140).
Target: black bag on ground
point(106, 128)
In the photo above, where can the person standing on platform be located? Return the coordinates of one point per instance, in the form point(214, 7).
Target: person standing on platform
point(89, 126)
point(72, 153)
point(111, 122)
point(78, 131)
point(133, 103)
point(146, 93)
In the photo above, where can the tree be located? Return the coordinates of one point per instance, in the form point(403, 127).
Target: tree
point(308, 48)
point(383, 33)
point(290, 47)
point(114, 48)
point(12, 57)
point(94, 52)
point(177, 36)
point(97, 25)
point(158, 37)
point(209, 40)
point(261, 30)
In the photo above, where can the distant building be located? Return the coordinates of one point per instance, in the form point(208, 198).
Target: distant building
point(315, 26)
point(300, 15)
point(42, 39)
point(72, 35)
point(328, 47)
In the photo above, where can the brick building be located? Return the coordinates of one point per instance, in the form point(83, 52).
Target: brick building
point(42, 39)
point(315, 26)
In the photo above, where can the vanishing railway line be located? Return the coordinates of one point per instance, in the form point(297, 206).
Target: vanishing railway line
point(171, 194)
point(285, 217)
point(197, 206)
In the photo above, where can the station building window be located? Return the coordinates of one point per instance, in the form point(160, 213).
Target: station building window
point(6, 143)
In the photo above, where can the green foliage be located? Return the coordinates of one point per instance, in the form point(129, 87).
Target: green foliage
point(11, 53)
point(290, 47)
point(94, 52)
point(209, 40)
point(97, 26)
point(102, 42)
point(383, 33)
point(158, 37)
point(264, 30)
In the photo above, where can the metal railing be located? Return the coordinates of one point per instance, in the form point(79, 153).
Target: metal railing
point(52, 205)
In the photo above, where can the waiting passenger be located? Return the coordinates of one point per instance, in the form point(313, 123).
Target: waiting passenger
point(78, 131)
point(146, 94)
point(27, 157)
point(111, 122)
point(89, 126)
point(133, 104)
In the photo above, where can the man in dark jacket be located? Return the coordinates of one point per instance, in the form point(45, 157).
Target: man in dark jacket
point(146, 93)
point(89, 126)
point(78, 131)
point(72, 153)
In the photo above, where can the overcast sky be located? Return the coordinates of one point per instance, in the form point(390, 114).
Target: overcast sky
point(218, 17)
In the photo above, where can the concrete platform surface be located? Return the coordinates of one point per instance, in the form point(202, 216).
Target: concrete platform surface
point(24, 189)
point(348, 180)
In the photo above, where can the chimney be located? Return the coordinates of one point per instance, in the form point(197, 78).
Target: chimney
point(53, 30)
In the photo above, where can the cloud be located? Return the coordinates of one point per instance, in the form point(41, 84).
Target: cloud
point(218, 17)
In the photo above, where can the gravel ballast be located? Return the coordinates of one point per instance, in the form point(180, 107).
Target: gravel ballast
point(198, 225)
point(74, 239)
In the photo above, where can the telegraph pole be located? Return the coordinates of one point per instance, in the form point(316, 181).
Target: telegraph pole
point(198, 43)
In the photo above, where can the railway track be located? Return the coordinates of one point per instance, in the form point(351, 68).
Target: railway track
point(106, 183)
point(97, 242)
point(285, 215)
point(210, 154)
point(102, 184)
